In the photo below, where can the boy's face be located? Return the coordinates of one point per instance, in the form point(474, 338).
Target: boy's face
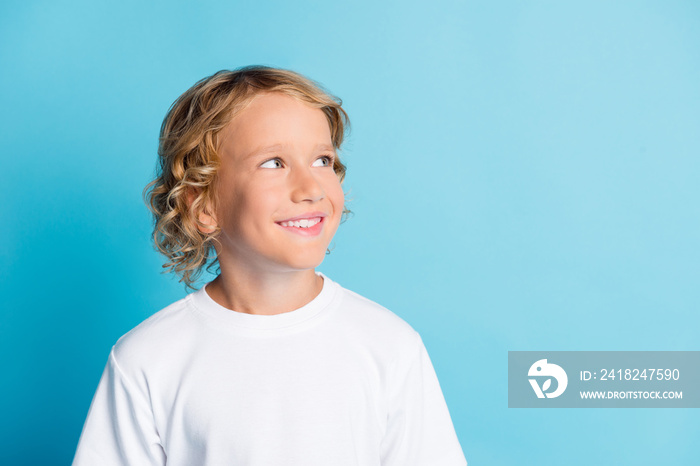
point(279, 200)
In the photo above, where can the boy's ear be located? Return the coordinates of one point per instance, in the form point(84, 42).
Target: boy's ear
point(206, 217)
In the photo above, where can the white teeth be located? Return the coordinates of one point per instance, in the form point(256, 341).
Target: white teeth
point(303, 223)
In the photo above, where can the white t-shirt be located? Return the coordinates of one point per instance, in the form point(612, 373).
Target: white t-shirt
point(339, 381)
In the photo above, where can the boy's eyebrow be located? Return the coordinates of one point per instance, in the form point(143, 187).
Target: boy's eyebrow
point(276, 147)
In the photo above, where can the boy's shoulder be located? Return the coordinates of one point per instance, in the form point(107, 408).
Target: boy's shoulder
point(155, 335)
point(376, 322)
point(377, 312)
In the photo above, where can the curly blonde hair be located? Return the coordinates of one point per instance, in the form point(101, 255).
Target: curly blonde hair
point(188, 160)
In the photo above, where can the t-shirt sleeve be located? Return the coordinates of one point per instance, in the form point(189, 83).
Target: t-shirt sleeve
point(419, 428)
point(120, 428)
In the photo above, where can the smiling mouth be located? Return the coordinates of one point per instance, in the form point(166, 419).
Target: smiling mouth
point(311, 226)
point(303, 223)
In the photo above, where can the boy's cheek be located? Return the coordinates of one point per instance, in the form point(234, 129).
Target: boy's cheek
point(337, 196)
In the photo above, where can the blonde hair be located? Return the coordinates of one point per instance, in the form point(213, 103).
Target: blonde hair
point(188, 159)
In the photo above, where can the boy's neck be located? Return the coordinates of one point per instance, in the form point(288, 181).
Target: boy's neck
point(267, 294)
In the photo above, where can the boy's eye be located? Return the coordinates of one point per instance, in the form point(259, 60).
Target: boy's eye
point(325, 161)
point(272, 163)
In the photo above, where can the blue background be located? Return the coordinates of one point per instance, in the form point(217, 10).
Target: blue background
point(524, 176)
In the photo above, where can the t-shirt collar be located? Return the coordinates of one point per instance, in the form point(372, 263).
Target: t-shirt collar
point(205, 304)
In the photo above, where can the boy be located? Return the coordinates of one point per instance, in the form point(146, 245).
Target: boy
point(271, 363)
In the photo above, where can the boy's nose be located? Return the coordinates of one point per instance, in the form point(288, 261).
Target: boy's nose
point(305, 187)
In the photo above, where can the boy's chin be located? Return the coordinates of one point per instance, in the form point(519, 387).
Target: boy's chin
point(306, 262)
